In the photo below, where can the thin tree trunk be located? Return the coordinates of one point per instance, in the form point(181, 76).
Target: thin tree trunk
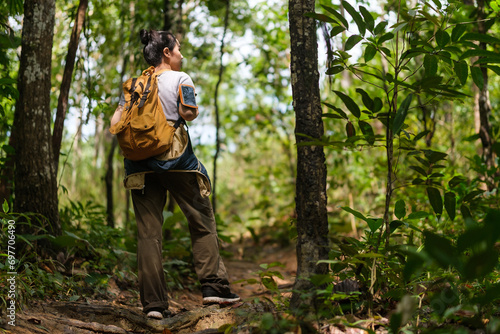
point(62, 104)
point(35, 172)
point(180, 29)
point(167, 20)
point(99, 142)
point(7, 175)
point(216, 109)
point(484, 99)
point(77, 150)
point(109, 184)
point(311, 199)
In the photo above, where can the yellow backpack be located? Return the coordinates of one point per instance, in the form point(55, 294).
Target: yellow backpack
point(143, 131)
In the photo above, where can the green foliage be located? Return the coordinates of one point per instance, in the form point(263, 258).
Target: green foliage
point(418, 64)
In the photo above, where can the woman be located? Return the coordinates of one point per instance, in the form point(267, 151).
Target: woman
point(178, 171)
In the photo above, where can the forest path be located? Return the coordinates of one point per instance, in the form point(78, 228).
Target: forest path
point(122, 314)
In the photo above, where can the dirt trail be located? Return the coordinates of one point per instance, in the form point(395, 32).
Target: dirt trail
point(122, 314)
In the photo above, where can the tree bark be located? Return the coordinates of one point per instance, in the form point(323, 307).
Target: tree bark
point(484, 99)
point(110, 216)
point(311, 199)
point(216, 109)
point(62, 104)
point(35, 172)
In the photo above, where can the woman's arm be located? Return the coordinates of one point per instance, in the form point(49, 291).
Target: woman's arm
point(188, 113)
point(117, 115)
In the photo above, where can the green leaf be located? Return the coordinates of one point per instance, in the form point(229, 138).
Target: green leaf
point(370, 22)
point(436, 200)
point(462, 71)
point(334, 70)
point(377, 104)
point(479, 53)
point(370, 52)
point(355, 213)
point(337, 15)
point(400, 209)
point(434, 156)
point(474, 36)
point(367, 100)
point(350, 104)
point(413, 52)
point(393, 226)
point(269, 283)
point(367, 130)
point(457, 180)
point(336, 30)
point(442, 38)
point(417, 215)
point(386, 37)
point(495, 69)
point(450, 204)
point(477, 76)
point(330, 115)
point(400, 117)
point(352, 41)
point(430, 65)
point(440, 249)
point(5, 206)
point(355, 16)
point(375, 224)
point(471, 195)
point(495, 6)
point(380, 28)
point(419, 170)
point(337, 110)
point(466, 214)
point(457, 32)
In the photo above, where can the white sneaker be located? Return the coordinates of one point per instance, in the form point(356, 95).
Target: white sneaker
point(154, 315)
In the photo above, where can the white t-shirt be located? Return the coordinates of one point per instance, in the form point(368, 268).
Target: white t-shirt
point(168, 91)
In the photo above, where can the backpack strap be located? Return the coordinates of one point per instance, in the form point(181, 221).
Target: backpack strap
point(179, 122)
point(145, 94)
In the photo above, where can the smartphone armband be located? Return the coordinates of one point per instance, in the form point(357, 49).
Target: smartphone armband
point(187, 96)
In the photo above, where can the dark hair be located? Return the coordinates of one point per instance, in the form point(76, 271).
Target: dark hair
point(154, 42)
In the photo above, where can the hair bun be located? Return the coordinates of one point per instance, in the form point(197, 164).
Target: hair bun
point(145, 36)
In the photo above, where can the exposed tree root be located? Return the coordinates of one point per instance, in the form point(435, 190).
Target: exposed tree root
point(60, 317)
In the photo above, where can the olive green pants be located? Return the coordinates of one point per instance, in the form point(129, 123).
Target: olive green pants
point(148, 207)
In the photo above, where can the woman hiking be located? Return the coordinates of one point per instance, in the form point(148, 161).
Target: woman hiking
point(180, 172)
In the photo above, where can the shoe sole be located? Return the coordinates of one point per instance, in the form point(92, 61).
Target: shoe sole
point(155, 315)
point(219, 300)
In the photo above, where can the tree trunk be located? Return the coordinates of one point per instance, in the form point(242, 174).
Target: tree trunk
point(6, 176)
point(62, 104)
point(484, 99)
point(35, 173)
point(110, 216)
point(312, 222)
point(179, 28)
point(167, 20)
point(216, 110)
